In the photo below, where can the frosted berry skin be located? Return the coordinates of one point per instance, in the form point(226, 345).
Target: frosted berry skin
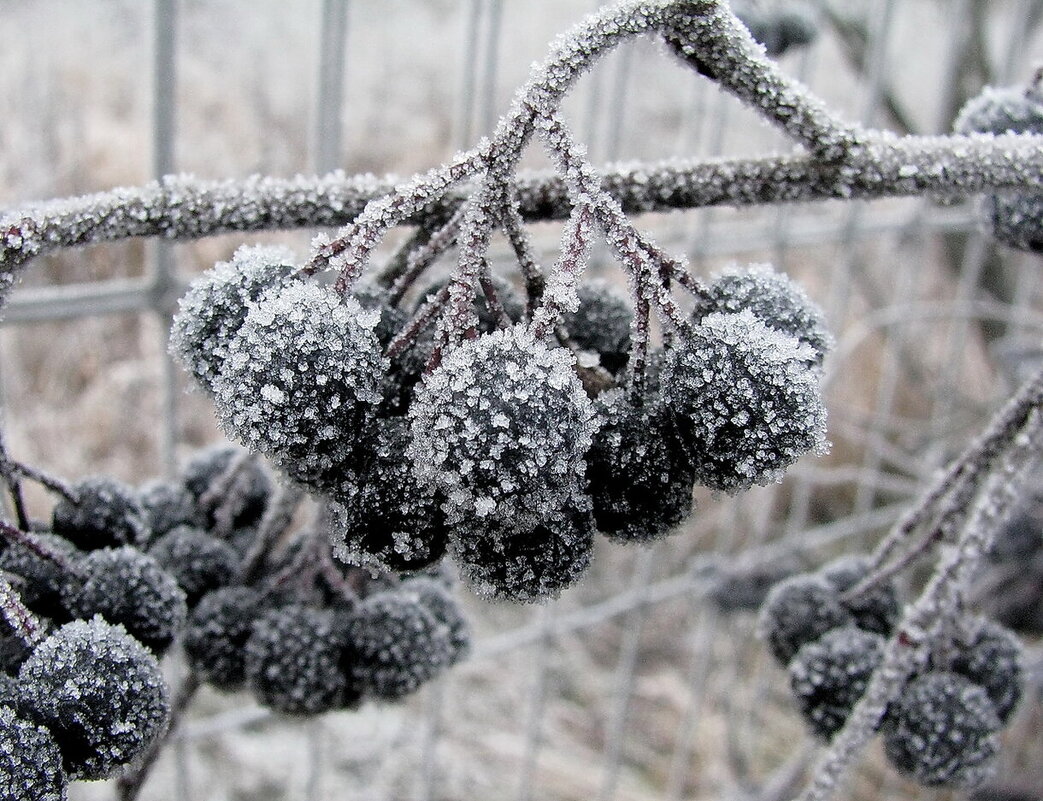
point(99, 692)
point(601, 324)
point(876, 610)
point(500, 428)
point(252, 484)
point(40, 581)
point(129, 588)
point(991, 657)
point(1016, 218)
point(216, 304)
point(393, 646)
point(292, 660)
point(941, 731)
point(302, 380)
point(197, 561)
point(527, 566)
point(166, 506)
point(434, 596)
point(772, 298)
point(745, 403)
point(640, 483)
point(797, 611)
point(217, 632)
point(382, 517)
point(830, 674)
point(107, 513)
point(30, 761)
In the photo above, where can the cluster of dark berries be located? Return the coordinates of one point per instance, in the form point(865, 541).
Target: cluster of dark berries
point(511, 450)
point(124, 573)
point(942, 728)
point(1015, 218)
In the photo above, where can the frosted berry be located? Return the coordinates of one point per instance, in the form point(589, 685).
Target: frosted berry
point(799, 610)
point(167, 505)
point(991, 657)
point(394, 645)
point(382, 517)
point(292, 660)
point(251, 485)
point(1016, 218)
point(129, 588)
point(107, 513)
point(213, 309)
point(99, 692)
point(38, 580)
point(436, 598)
point(640, 483)
point(941, 731)
point(829, 675)
point(1020, 539)
point(30, 762)
point(601, 324)
point(501, 429)
point(13, 650)
point(876, 610)
point(744, 400)
point(301, 380)
point(527, 565)
point(197, 561)
point(216, 635)
point(392, 318)
point(773, 299)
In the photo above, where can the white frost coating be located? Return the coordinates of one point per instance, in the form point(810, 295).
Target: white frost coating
point(503, 423)
point(301, 376)
point(733, 364)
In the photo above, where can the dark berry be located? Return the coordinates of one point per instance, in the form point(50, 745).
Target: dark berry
point(640, 483)
point(167, 505)
point(292, 660)
point(941, 731)
point(773, 299)
point(101, 694)
point(799, 610)
point(302, 380)
point(878, 609)
point(1020, 539)
point(744, 400)
point(392, 318)
point(213, 309)
point(1016, 217)
point(501, 429)
point(13, 650)
point(738, 588)
point(601, 324)
point(251, 484)
point(39, 580)
point(526, 565)
point(829, 675)
point(991, 657)
point(30, 761)
point(198, 562)
point(129, 588)
point(394, 645)
point(382, 517)
point(106, 514)
point(436, 598)
point(216, 635)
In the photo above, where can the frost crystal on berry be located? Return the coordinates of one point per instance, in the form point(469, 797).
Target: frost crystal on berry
point(99, 692)
point(106, 513)
point(744, 400)
point(217, 632)
point(301, 379)
point(30, 761)
point(197, 561)
point(877, 609)
point(601, 324)
point(216, 304)
point(991, 657)
point(501, 428)
point(799, 610)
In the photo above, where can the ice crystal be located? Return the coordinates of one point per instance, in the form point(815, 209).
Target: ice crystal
point(30, 761)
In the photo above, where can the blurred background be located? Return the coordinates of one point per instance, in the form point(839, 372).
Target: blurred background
point(646, 681)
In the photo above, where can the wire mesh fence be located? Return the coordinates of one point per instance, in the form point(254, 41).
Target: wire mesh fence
point(645, 682)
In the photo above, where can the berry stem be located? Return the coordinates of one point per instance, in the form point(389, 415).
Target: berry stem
point(276, 520)
point(421, 320)
point(424, 254)
point(514, 228)
point(27, 626)
point(30, 542)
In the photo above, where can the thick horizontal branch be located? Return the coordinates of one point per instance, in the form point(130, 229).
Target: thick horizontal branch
point(184, 208)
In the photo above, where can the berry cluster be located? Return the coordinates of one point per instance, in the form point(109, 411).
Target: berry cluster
point(1015, 218)
point(512, 449)
point(124, 573)
point(941, 730)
